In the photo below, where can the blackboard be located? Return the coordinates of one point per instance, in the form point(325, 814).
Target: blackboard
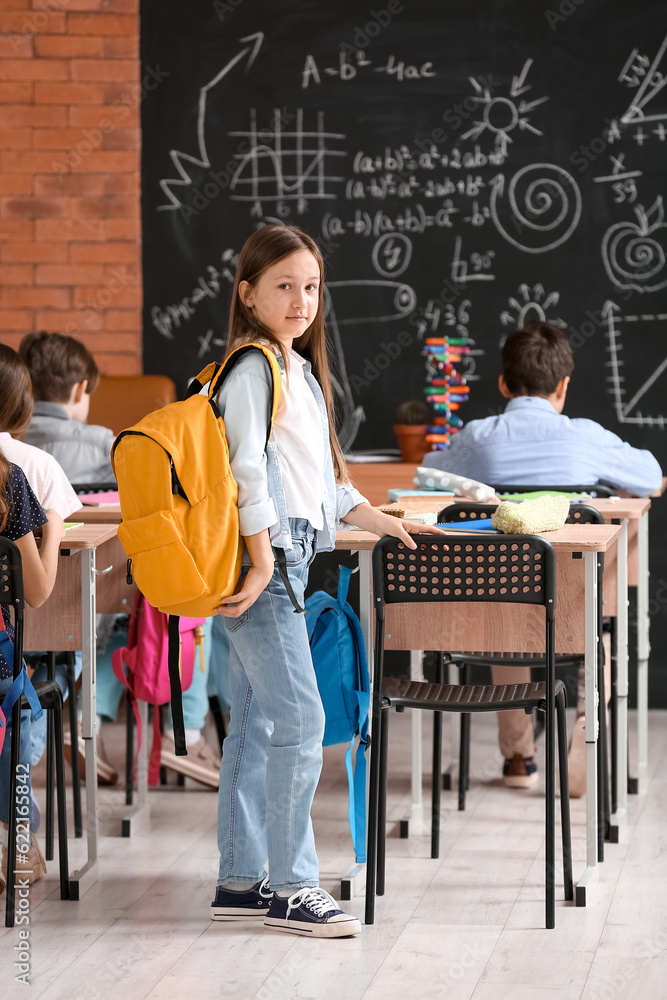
point(464, 166)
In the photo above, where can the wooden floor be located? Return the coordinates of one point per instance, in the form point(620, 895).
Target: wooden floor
point(469, 925)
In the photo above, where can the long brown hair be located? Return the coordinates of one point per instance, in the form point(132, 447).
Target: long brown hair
point(15, 411)
point(265, 247)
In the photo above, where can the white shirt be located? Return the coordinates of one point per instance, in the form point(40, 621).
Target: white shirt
point(297, 431)
point(46, 477)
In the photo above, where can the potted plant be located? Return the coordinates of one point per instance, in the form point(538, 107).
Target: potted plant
point(410, 429)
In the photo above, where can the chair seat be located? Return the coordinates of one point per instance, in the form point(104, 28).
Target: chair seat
point(48, 692)
point(464, 697)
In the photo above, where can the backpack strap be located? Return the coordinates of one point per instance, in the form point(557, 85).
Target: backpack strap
point(344, 574)
point(156, 749)
point(281, 559)
point(175, 684)
point(207, 375)
point(357, 799)
point(20, 685)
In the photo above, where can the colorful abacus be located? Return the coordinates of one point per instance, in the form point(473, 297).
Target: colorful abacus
point(446, 387)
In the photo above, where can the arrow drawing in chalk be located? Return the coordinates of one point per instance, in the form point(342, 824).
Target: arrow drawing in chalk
point(519, 86)
point(544, 203)
point(178, 157)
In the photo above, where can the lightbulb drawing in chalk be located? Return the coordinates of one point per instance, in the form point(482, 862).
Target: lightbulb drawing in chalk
point(531, 304)
point(501, 115)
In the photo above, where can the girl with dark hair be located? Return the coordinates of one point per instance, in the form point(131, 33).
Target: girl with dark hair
point(291, 493)
point(20, 515)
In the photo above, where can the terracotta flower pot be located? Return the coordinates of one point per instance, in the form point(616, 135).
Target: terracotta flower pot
point(412, 441)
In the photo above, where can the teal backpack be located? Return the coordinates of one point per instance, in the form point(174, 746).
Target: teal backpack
point(341, 667)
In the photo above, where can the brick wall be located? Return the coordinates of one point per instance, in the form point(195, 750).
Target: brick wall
point(70, 256)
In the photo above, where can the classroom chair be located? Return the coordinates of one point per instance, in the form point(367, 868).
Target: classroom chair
point(121, 400)
point(579, 514)
point(51, 751)
point(50, 698)
point(478, 568)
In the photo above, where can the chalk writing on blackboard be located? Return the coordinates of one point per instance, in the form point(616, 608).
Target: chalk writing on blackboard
point(177, 157)
point(627, 411)
point(501, 115)
point(392, 254)
point(286, 165)
point(640, 72)
point(474, 267)
point(545, 205)
point(633, 251)
point(530, 304)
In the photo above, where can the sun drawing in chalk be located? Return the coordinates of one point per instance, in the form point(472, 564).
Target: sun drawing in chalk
point(501, 115)
point(531, 304)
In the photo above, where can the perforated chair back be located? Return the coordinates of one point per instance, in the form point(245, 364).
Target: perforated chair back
point(510, 569)
point(595, 490)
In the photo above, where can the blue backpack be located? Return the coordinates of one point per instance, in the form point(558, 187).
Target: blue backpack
point(341, 667)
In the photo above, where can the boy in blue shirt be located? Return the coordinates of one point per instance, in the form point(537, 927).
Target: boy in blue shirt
point(533, 442)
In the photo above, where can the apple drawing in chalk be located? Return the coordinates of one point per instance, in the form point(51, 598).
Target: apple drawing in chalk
point(633, 253)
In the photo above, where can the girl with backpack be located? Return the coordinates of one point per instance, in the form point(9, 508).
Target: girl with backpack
point(20, 515)
point(292, 489)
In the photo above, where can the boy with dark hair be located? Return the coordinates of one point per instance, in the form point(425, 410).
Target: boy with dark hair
point(532, 442)
point(64, 374)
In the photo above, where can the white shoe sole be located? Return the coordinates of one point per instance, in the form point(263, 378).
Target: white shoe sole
point(236, 913)
point(341, 928)
point(520, 780)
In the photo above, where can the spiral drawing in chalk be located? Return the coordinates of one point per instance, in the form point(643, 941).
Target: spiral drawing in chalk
point(633, 253)
point(544, 203)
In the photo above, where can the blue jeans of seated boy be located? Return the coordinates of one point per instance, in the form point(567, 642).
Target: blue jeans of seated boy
point(273, 753)
point(5, 759)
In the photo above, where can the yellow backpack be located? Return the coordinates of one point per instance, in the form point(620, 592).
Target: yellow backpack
point(178, 497)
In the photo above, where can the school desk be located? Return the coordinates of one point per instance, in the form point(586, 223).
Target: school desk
point(627, 566)
point(66, 621)
point(508, 629)
point(636, 526)
point(102, 514)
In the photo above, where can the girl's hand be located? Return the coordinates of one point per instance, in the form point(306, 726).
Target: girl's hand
point(54, 527)
point(370, 519)
point(257, 579)
point(400, 527)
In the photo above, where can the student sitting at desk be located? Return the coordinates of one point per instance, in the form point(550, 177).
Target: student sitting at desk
point(533, 442)
point(64, 374)
point(20, 515)
point(48, 482)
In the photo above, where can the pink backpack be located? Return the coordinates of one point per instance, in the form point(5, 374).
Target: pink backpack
point(143, 665)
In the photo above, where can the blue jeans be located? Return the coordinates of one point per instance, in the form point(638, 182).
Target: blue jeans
point(218, 664)
point(272, 756)
point(5, 759)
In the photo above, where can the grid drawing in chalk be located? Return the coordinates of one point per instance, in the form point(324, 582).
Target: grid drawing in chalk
point(285, 164)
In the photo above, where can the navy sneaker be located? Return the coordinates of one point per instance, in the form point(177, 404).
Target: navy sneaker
point(310, 911)
point(241, 904)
